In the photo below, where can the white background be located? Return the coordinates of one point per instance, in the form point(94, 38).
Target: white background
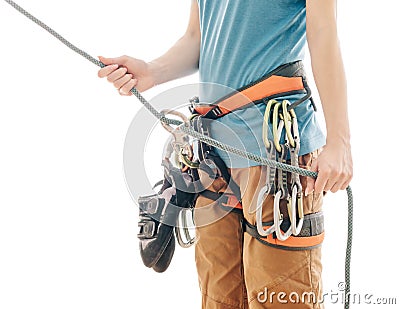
point(67, 223)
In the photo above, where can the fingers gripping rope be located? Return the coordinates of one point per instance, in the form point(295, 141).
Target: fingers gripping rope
point(188, 130)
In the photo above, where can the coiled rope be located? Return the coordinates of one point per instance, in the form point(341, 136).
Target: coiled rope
point(188, 130)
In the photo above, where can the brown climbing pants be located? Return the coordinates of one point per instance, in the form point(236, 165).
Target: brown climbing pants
point(236, 270)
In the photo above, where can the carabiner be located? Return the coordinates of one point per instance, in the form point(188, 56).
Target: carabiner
point(282, 236)
point(259, 212)
point(189, 240)
point(269, 188)
point(180, 138)
point(289, 117)
point(277, 129)
point(295, 208)
point(167, 126)
point(297, 200)
point(266, 123)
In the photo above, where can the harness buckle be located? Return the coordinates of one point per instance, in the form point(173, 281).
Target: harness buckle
point(216, 111)
point(231, 201)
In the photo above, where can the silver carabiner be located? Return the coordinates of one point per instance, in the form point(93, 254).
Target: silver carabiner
point(185, 240)
point(295, 208)
point(282, 236)
point(269, 188)
point(259, 213)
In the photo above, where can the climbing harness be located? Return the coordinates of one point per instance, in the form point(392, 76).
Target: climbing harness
point(157, 207)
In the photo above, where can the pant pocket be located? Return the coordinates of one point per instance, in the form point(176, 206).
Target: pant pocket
point(292, 280)
point(313, 202)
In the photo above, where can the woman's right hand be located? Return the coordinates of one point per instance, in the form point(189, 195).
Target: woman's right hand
point(126, 72)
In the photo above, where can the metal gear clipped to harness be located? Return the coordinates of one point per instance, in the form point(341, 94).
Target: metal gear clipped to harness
point(292, 195)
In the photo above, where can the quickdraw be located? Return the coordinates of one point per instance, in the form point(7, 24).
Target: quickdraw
point(278, 84)
point(277, 151)
point(297, 192)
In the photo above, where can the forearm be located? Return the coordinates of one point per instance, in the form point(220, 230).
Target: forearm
point(329, 75)
point(334, 165)
point(180, 60)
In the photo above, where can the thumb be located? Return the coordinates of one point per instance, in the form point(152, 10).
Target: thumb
point(310, 180)
point(108, 61)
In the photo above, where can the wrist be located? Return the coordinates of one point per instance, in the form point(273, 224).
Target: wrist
point(156, 71)
point(338, 139)
point(338, 132)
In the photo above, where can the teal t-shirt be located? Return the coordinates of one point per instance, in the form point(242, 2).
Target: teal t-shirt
point(241, 41)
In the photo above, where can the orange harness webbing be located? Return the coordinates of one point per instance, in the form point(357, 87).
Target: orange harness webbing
point(271, 87)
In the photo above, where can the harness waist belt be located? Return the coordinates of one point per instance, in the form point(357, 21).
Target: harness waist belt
point(287, 79)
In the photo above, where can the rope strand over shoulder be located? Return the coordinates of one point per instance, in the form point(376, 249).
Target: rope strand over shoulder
point(188, 130)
